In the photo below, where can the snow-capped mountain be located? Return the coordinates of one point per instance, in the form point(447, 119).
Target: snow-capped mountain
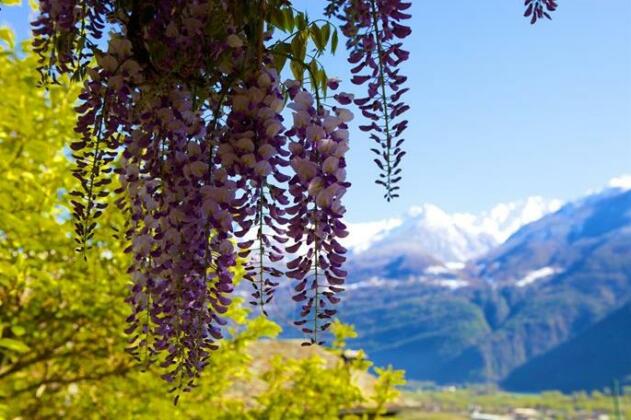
point(560, 241)
point(429, 245)
point(622, 183)
point(541, 278)
point(462, 298)
point(428, 230)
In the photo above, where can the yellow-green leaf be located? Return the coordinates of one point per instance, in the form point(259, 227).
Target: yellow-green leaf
point(335, 39)
point(317, 36)
point(299, 47)
point(7, 36)
point(13, 345)
point(18, 330)
point(297, 69)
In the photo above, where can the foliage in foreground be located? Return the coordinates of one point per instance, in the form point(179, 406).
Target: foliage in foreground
point(61, 318)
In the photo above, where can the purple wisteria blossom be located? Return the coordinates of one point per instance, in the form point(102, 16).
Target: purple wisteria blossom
point(184, 106)
point(375, 33)
point(254, 151)
point(319, 144)
point(218, 162)
point(537, 9)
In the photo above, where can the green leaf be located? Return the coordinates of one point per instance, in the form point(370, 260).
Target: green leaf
point(323, 78)
point(318, 37)
point(281, 52)
point(299, 47)
point(18, 330)
point(297, 69)
point(10, 2)
point(289, 19)
point(301, 21)
point(279, 62)
point(13, 345)
point(279, 19)
point(7, 36)
point(313, 73)
point(335, 39)
point(326, 33)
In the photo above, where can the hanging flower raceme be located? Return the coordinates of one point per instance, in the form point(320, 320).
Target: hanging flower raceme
point(319, 144)
point(374, 32)
point(537, 9)
point(66, 33)
point(181, 243)
point(254, 151)
point(105, 115)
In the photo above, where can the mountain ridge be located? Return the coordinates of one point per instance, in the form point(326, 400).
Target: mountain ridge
point(480, 320)
point(453, 237)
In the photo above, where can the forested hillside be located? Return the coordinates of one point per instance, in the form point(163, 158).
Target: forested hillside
point(546, 284)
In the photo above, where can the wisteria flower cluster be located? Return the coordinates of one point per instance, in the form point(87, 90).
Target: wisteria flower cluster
point(375, 33)
point(537, 9)
point(255, 152)
point(217, 158)
point(317, 157)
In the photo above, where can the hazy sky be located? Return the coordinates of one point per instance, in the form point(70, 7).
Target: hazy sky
point(500, 109)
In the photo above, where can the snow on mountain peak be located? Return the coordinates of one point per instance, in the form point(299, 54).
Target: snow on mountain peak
point(506, 218)
point(536, 275)
point(449, 237)
point(430, 214)
point(362, 235)
point(622, 182)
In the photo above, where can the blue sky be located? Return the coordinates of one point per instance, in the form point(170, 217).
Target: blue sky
point(501, 110)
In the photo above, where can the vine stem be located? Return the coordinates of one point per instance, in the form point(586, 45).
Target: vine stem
point(261, 31)
point(316, 246)
point(93, 171)
point(382, 82)
point(261, 247)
